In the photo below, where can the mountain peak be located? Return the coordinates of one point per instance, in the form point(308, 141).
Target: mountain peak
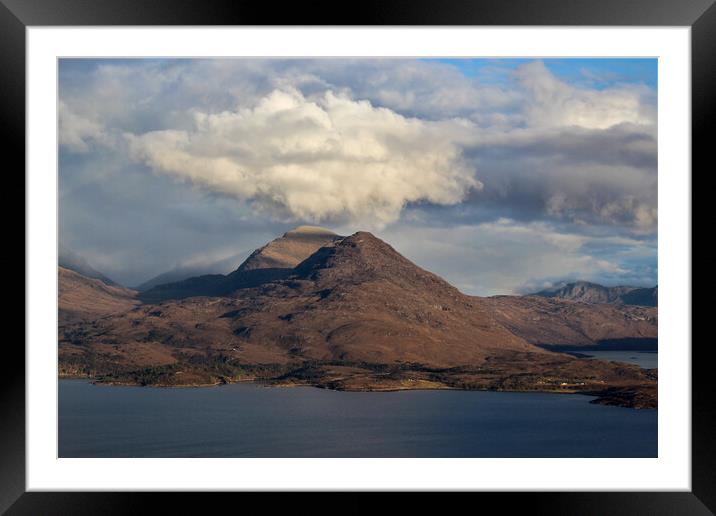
point(289, 250)
point(359, 248)
point(309, 231)
point(362, 257)
point(364, 236)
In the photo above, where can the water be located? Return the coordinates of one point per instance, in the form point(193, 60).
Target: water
point(645, 359)
point(244, 420)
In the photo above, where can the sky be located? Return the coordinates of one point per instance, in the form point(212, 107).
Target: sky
point(503, 176)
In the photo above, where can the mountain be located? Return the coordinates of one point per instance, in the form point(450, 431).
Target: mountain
point(270, 262)
point(354, 314)
point(74, 262)
point(560, 324)
point(84, 298)
point(360, 300)
point(587, 292)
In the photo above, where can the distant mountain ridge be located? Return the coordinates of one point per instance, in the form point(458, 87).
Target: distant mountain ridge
point(74, 262)
point(587, 292)
point(186, 271)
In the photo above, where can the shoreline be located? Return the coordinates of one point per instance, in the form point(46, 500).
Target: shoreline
point(644, 345)
point(599, 398)
point(588, 354)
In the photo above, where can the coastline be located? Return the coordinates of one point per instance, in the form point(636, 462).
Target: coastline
point(621, 397)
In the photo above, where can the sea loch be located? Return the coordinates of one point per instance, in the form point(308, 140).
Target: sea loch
point(247, 420)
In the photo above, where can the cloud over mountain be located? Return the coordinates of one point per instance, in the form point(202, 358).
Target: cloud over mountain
point(165, 160)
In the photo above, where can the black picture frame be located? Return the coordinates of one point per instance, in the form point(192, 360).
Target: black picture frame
point(17, 15)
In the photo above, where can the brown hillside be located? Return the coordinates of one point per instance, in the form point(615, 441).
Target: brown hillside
point(556, 322)
point(359, 300)
point(357, 315)
point(80, 297)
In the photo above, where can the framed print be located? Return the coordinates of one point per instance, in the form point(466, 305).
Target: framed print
point(412, 250)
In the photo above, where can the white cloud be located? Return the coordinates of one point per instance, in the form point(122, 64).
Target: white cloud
point(76, 132)
point(554, 103)
point(330, 158)
point(554, 134)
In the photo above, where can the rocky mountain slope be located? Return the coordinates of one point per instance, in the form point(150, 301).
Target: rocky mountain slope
point(587, 292)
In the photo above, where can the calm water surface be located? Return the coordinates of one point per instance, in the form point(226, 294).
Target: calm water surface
point(645, 359)
point(245, 420)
